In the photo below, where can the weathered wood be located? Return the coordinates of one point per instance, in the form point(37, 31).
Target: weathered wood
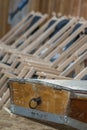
point(4, 9)
point(61, 97)
point(51, 97)
point(18, 61)
point(18, 30)
point(15, 28)
point(81, 74)
point(73, 57)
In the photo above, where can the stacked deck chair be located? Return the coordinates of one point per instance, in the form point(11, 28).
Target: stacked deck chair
point(38, 47)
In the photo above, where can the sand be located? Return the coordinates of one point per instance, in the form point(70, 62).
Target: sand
point(8, 122)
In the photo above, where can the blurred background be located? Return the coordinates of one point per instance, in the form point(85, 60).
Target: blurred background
point(12, 11)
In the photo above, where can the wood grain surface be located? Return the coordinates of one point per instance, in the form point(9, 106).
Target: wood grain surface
point(23, 93)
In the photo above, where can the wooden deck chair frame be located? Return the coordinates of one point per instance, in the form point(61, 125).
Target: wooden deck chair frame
point(19, 31)
point(62, 45)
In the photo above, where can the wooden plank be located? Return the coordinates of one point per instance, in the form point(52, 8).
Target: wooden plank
point(27, 38)
point(40, 39)
point(4, 98)
point(65, 7)
point(4, 27)
point(46, 96)
point(73, 57)
point(57, 6)
point(34, 5)
point(83, 9)
point(76, 5)
point(29, 31)
point(71, 50)
point(51, 6)
point(58, 38)
point(81, 74)
point(24, 65)
point(43, 6)
point(23, 26)
point(72, 67)
point(15, 28)
point(66, 42)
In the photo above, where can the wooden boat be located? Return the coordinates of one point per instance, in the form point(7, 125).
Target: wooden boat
point(57, 101)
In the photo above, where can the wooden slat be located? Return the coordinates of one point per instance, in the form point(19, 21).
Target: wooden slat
point(4, 7)
point(83, 9)
point(18, 62)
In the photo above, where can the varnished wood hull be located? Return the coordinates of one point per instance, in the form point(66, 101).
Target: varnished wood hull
point(50, 101)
